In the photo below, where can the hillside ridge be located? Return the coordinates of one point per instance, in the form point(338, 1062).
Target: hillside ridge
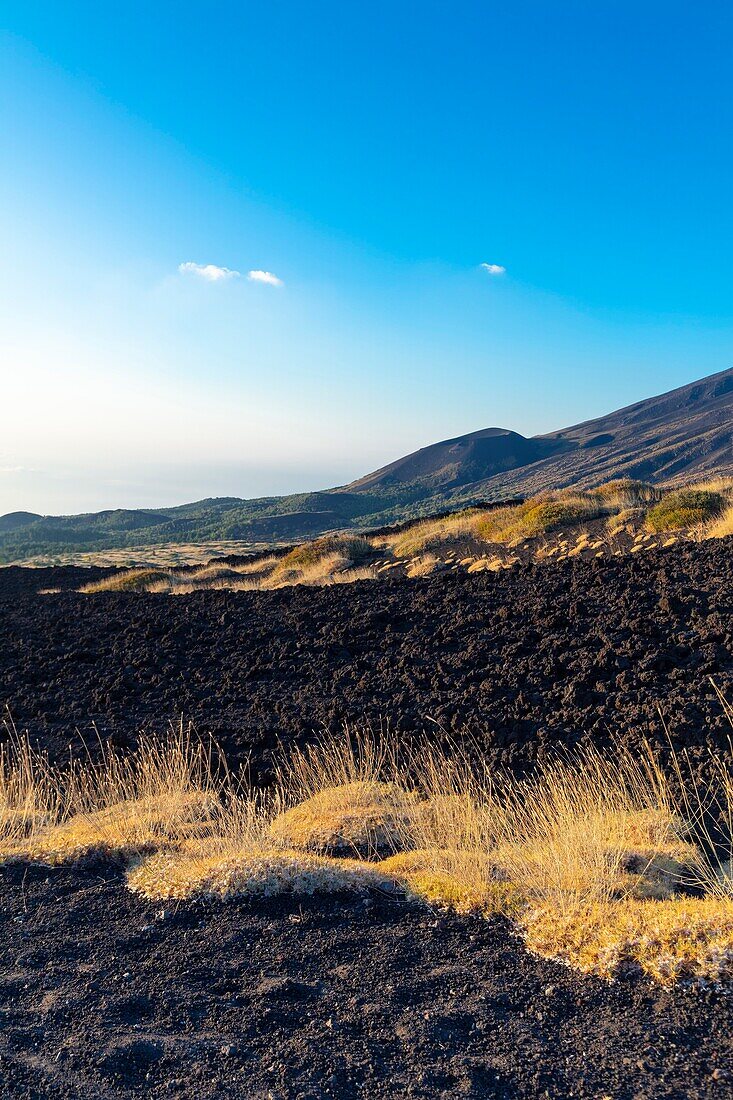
point(681, 435)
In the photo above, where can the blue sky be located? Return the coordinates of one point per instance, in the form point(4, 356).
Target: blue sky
point(372, 158)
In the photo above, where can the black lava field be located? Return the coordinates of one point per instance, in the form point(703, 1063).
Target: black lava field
point(523, 660)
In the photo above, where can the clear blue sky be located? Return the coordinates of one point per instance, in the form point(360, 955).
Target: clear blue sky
point(371, 157)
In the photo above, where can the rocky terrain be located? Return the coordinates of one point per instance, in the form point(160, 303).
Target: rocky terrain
point(531, 657)
point(106, 995)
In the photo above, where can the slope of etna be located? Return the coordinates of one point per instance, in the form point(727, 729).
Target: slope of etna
point(681, 435)
point(687, 432)
point(462, 461)
point(528, 658)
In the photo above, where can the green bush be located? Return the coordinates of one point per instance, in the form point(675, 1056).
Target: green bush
point(538, 516)
point(684, 508)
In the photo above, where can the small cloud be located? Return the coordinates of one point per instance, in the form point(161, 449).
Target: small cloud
point(210, 272)
point(264, 277)
point(494, 269)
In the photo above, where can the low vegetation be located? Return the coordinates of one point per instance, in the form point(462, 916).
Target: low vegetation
point(623, 516)
point(685, 508)
point(333, 560)
point(606, 861)
point(131, 580)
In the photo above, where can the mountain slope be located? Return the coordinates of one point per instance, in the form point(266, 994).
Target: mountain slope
point(680, 435)
point(460, 461)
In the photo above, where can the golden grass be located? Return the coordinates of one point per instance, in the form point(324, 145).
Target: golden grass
point(32, 798)
point(259, 872)
point(539, 516)
point(422, 566)
point(570, 834)
point(611, 519)
point(721, 527)
point(682, 938)
point(465, 880)
point(131, 580)
point(430, 534)
point(590, 855)
point(117, 805)
point(343, 795)
point(359, 818)
point(326, 561)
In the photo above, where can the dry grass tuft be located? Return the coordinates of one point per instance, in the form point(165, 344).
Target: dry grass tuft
point(343, 795)
point(130, 580)
point(434, 533)
point(360, 818)
point(589, 829)
point(590, 855)
point(422, 566)
point(261, 872)
point(126, 827)
point(721, 527)
point(32, 799)
point(453, 878)
point(119, 805)
point(680, 939)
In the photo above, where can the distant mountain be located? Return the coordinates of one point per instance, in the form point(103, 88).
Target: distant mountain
point(685, 433)
point(681, 435)
point(461, 461)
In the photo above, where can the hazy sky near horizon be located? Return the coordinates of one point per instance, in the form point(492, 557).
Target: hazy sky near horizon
point(256, 248)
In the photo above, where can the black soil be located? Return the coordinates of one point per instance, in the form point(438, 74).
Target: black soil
point(533, 657)
point(107, 996)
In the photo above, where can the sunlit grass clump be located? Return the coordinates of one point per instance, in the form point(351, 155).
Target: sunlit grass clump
point(117, 805)
point(358, 818)
point(680, 939)
point(605, 861)
point(128, 580)
point(343, 797)
point(259, 872)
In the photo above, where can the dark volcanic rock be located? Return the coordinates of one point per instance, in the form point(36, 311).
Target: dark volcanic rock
point(522, 660)
point(283, 999)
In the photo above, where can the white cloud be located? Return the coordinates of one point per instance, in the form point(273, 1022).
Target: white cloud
point(264, 277)
point(210, 272)
point(494, 269)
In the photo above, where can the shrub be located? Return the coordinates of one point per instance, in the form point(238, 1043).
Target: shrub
point(627, 493)
point(538, 516)
point(685, 508)
point(351, 549)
